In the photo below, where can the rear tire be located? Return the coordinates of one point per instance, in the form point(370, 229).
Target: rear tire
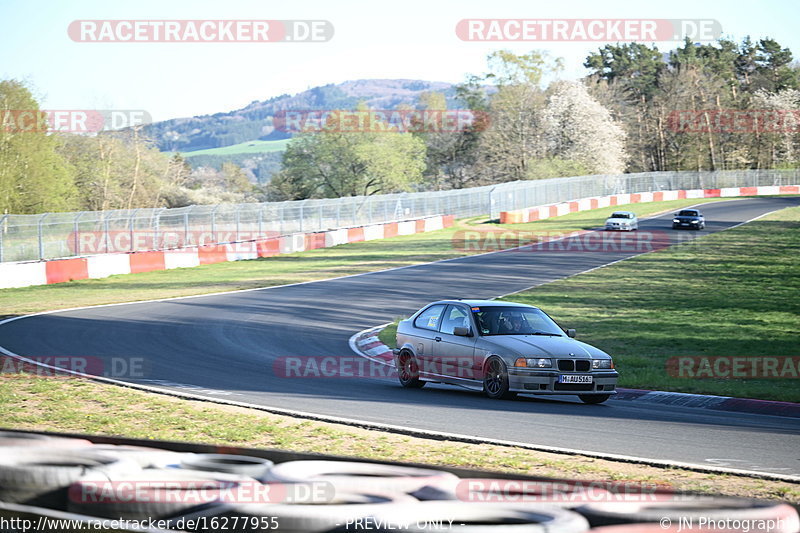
point(594, 398)
point(408, 371)
point(495, 380)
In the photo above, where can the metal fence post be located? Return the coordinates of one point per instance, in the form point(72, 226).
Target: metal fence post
point(75, 233)
point(156, 227)
point(106, 231)
point(132, 228)
point(302, 205)
point(186, 227)
point(39, 231)
point(214, 223)
point(237, 219)
point(2, 231)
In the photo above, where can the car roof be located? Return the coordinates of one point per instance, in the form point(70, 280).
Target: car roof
point(480, 303)
point(626, 212)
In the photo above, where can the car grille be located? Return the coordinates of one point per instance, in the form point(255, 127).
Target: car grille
point(578, 387)
point(571, 365)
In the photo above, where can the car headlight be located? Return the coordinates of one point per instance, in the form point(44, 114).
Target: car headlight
point(675, 220)
point(534, 362)
point(695, 221)
point(602, 363)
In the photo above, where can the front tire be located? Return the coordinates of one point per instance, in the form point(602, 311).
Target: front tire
point(408, 371)
point(594, 398)
point(495, 380)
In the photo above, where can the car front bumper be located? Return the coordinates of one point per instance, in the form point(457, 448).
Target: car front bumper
point(539, 381)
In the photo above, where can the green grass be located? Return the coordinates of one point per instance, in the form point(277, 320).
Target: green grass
point(291, 268)
point(735, 293)
point(247, 147)
point(81, 406)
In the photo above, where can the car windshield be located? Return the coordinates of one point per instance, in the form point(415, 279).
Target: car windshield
point(621, 215)
point(501, 320)
point(688, 214)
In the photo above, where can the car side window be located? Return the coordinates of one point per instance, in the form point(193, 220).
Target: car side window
point(454, 317)
point(430, 318)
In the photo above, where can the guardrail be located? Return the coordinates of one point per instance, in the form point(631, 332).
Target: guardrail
point(58, 235)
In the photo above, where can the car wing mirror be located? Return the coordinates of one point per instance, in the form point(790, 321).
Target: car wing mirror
point(461, 331)
point(571, 333)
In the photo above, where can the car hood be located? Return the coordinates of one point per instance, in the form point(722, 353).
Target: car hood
point(541, 346)
point(686, 219)
point(628, 220)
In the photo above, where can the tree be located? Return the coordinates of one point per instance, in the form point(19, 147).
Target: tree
point(34, 178)
point(636, 66)
point(514, 136)
point(577, 128)
point(332, 164)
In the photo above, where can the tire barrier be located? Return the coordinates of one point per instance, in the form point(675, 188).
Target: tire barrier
point(196, 488)
point(244, 465)
point(350, 475)
point(463, 517)
point(143, 456)
point(41, 476)
point(150, 493)
point(772, 517)
point(35, 440)
point(305, 515)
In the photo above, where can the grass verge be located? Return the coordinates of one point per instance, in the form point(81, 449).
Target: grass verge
point(290, 268)
point(27, 402)
point(733, 293)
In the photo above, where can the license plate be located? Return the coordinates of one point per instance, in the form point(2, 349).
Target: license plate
point(574, 378)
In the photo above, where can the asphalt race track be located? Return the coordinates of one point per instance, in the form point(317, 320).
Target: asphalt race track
point(227, 345)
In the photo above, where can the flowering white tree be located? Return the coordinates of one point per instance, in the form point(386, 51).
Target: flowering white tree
point(578, 128)
point(784, 143)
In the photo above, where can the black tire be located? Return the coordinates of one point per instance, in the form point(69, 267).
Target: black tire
point(495, 380)
point(709, 507)
point(153, 493)
point(41, 476)
point(244, 465)
point(408, 371)
point(594, 398)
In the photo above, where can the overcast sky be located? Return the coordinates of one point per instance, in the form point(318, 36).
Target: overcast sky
point(406, 39)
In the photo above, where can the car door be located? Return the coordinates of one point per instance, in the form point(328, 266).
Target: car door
point(453, 354)
point(426, 329)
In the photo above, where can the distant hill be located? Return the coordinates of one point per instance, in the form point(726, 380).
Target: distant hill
point(254, 122)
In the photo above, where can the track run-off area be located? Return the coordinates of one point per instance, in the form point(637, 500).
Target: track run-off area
point(230, 346)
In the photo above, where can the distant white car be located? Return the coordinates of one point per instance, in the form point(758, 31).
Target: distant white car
point(622, 221)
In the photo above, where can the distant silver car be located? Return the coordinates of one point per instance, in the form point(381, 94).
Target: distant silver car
point(622, 221)
point(501, 348)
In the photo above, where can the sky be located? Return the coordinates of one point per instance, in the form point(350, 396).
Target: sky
point(414, 39)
